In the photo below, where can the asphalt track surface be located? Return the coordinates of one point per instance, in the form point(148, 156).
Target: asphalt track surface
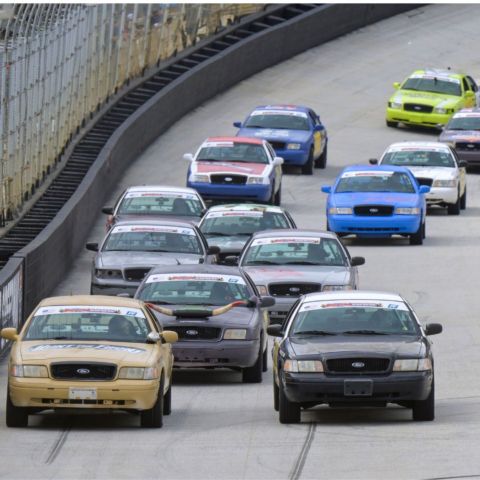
point(222, 429)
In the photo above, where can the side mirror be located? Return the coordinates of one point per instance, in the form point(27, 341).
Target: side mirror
point(326, 189)
point(396, 85)
point(462, 164)
point(275, 330)
point(9, 334)
point(319, 128)
point(153, 337)
point(230, 260)
point(373, 161)
point(278, 161)
point(169, 336)
point(356, 261)
point(266, 302)
point(92, 246)
point(237, 124)
point(469, 94)
point(213, 250)
point(433, 328)
point(107, 210)
point(188, 157)
point(203, 212)
point(424, 189)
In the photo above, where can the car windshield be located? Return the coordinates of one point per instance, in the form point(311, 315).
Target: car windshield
point(92, 323)
point(464, 123)
point(158, 204)
point(138, 239)
point(295, 251)
point(376, 181)
point(193, 289)
point(419, 158)
point(233, 152)
point(231, 223)
point(350, 317)
point(278, 120)
point(434, 85)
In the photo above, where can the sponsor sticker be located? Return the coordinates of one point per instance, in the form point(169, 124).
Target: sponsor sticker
point(274, 241)
point(289, 113)
point(373, 304)
point(367, 174)
point(195, 277)
point(235, 213)
point(62, 310)
point(152, 229)
point(467, 115)
point(422, 149)
point(84, 346)
point(159, 194)
point(444, 78)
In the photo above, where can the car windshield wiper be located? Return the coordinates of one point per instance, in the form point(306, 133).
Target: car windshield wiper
point(209, 160)
point(218, 234)
point(242, 234)
point(364, 332)
point(315, 332)
point(157, 302)
point(304, 262)
point(262, 262)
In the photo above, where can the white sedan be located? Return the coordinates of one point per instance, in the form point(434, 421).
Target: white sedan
point(434, 164)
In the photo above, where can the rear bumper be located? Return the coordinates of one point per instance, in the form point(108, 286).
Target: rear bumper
point(293, 157)
point(208, 191)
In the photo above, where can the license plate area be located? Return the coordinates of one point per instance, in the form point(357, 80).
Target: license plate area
point(82, 394)
point(358, 388)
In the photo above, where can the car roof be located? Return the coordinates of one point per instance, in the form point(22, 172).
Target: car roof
point(289, 232)
point(418, 144)
point(375, 168)
point(441, 72)
point(100, 300)
point(286, 107)
point(160, 189)
point(253, 141)
point(157, 222)
point(353, 295)
point(474, 111)
point(244, 207)
point(196, 268)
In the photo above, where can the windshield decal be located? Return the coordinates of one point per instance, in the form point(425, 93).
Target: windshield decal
point(290, 113)
point(441, 77)
point(378, 173)
point(65, 309)
point(160, 194)
point(195, 277)
point(152, 229)
point(85, 346)
point(391, 305)
point(235, 213)
point(274, 241)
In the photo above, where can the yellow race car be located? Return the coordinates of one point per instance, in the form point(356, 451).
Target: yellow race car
point(430, 97)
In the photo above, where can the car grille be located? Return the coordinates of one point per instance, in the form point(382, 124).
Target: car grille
point(370, 365)
point(467, 146)
point(277, 145)
point(136, 274)
point(416, 107)
point(373, 229)
point(292, 289)
point(195, 332)
point(373, 210)
point(83, 371)
point(425, 181)
point(233, 179)
point(277, 317)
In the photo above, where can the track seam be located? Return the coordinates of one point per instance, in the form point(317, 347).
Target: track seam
point(302, 457)
point(57, 446)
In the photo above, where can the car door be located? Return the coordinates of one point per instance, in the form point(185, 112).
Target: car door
point(475, 89)
point(318, 135)
point(276, 169)
point(462, 172)
point(469, 101)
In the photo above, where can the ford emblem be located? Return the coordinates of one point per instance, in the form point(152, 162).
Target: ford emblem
point(470, 145)
point(228, 179)
point(373, 210)
point(294, 289)
point(358, 364)
point(417, 108)
point(192, 332)
point(83, 371)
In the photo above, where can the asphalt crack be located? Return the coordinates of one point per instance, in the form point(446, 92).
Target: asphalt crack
point(57, 446)
point(302, 457)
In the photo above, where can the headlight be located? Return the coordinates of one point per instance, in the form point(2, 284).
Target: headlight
point(412, 365)
point(445, 183)
point(199, 178)
point(340, 211)
point(108, 274)
point(407, 211)
point(138, 373)
point(262, 290)
point(235, 334)
point(303, 366)
point(333, 288)
point(32, 371)
point(294, 146)
point(258, 180)
point(395, 105)
point(442, 111)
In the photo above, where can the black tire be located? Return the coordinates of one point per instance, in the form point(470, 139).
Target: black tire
point(167, 401)
point(454, 209)
point(424, 231)
point(417, 237)
point(253, 374)
point(275, 396)
point(463, 200)
point(153, 418)
point(392, 124)
point(15, 416)
point(321, 161)
point(277, 200)
point(424, 410)
point(271, 201)
point(265, 359)
point(288, 412)
point(307, 169)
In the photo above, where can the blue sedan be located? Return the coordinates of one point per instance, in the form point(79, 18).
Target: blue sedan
point(378, 201)
point(295, 133)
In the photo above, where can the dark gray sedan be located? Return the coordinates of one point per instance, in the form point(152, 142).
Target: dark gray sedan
point(217, 313)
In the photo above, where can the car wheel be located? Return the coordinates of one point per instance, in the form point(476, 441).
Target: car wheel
point(253, 374)
point(167, 401)
point(463, 200)
point(321, 161)
point(424, 410)
point(275, 396)
point(392, 124)
point(307, 169)
point(288, 412)
point(454, 208)
point(417, 237)
point(278, 196)
point(15, 416)
point(153, 418)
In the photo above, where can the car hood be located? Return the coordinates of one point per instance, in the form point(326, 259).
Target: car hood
point(462, 136)
point(266, 274)
point(171, 218)
point(235, 243)
point(374, 198)
point(425, 98)
point(85, 351)
point(137, 259)
point(391, 345)
point(234, 168)
point(433, 172)
point(276, 135)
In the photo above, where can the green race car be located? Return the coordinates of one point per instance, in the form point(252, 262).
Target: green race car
point(430, 97)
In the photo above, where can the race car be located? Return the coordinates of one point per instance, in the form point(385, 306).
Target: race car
point(131, 248)
point(430, 97)
point(216, 311)
point(295, 132)
point(377, 201)
point(95, 353)
point(230, 226)
point(235, 168)
point(353, 349)
point(462, 133)
point(156, 202)
point(436, 165)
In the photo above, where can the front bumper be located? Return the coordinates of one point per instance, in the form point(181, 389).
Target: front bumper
point(471, 157)
point(116, 394)
point(209, 191)
point(293, 157)
point(414, 118)
point(107, 288)
point(442, 195)
point(374, 226)
point(225, 353)
point(320, 388)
